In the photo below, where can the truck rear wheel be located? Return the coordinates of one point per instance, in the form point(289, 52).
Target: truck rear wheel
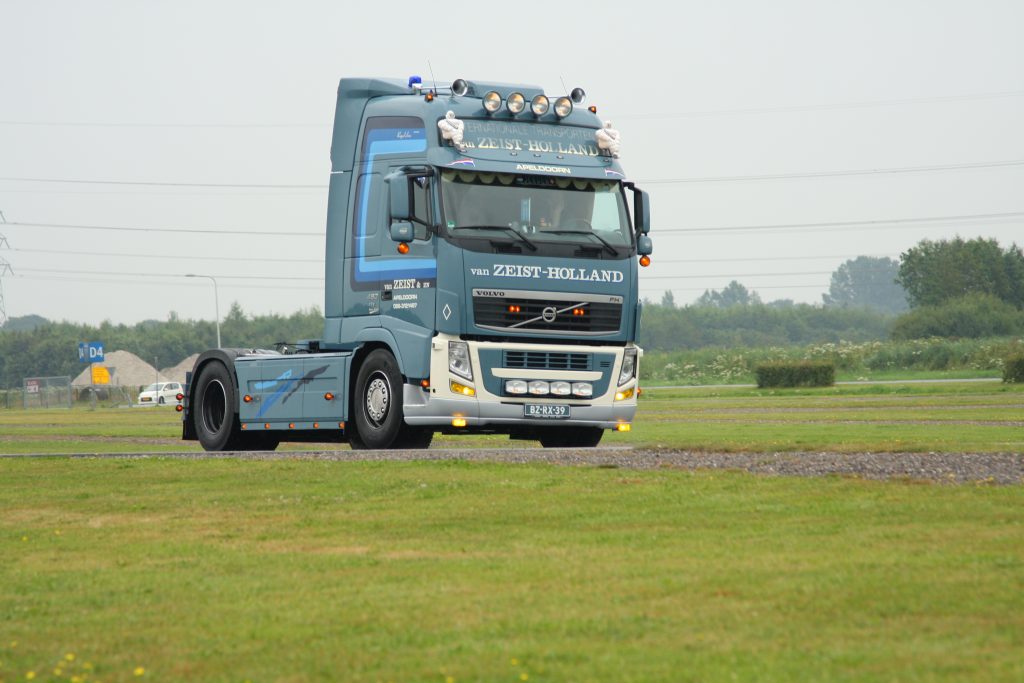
point(377, 409)
point(213, 411)
point(571, 437)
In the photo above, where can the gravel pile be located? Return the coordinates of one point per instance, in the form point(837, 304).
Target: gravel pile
point(952, 468)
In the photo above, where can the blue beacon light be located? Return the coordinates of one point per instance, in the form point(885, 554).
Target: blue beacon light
point(415, 80)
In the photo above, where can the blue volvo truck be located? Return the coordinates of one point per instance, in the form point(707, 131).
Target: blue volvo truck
point(481, 266)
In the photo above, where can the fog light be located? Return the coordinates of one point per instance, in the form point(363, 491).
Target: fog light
point(461, 388)
point(584, 389)
point(516, 386)
point(623, 394)
point(492, 101)
point(539, 388)
point(561, 388)
point(516, 103)
point(563, 107)
point(539, 105)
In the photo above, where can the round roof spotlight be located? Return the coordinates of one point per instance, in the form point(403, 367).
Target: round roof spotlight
point(577, 95)
point(563, 107)
point(539, 105)
point(492, 101)
point(516, 103)
point(460, 87)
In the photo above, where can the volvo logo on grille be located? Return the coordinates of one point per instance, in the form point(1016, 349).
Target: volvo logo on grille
point(549, 314)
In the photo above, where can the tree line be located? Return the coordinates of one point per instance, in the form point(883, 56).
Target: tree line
point(948, 288)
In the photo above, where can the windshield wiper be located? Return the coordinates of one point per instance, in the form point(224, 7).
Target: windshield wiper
point(606, 243)
point(531, 245)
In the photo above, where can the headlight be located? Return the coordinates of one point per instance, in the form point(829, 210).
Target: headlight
point(492, 101)
point(515, 386)
point(516, 102)
point(458, 359)
point(561, 388)
point(628, 370)
point(583, 389)
point(563, 107)
point(539, 388)
point(539, 105)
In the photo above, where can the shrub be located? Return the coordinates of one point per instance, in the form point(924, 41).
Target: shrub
point(1013, 369)
point(972, 316)
point(795, 374)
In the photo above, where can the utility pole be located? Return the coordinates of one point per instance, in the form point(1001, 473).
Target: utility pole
point(5, 269)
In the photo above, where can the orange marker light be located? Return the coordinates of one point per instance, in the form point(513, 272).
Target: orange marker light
point(645, 261)
point(266, 425)
point(513, 309)
point(341, 425)
point(622, 427)
point(429, 96)
point(458, 422)
point(247, 398)
point(328, 396)
point(593, 108)
point(425, 383)
point(245, 426)
point(403, 248)
point(316, 425)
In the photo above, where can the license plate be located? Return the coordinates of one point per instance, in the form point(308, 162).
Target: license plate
point(146, 399)
point(546, 411)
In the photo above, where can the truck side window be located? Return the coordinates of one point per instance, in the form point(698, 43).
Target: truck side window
point(421, 206)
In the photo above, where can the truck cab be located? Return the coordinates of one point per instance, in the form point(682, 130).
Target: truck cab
point(481, 275)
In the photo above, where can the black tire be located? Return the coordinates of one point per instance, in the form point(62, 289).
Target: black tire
point(214, 415)
point(377, 405)
point(571, 437)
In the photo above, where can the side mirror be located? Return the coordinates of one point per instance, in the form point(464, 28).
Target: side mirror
point(641, 211)
point(398, 191)
point(402, 231)
point(644, 246)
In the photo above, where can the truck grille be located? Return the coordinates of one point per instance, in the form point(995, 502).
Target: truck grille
point(546, 360)
point(535, 315)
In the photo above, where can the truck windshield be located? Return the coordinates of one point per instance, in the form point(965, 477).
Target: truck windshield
point(545, 210)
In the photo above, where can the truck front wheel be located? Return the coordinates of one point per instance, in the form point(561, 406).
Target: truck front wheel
point(571, 437)
point(213, 413)
point(378, 402)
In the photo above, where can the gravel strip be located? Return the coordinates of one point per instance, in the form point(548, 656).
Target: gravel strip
point(952, 468)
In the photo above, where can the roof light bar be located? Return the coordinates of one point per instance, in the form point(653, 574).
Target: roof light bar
point(540, 105)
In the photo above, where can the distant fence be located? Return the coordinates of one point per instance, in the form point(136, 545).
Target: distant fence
point(41, 395)
point(46, 392)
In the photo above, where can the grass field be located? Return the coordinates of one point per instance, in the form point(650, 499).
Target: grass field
point(296, 570)
point(306, 570)
point(982, 417)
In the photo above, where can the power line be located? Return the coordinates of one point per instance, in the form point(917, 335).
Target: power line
point(867, 225)
point(940, 99)
point(165, 283)
point(652, 181)
point(200, 231)
point(79, 181)
point(69, 271)
point(245, 259)
point(836, 174)
point(825, 107)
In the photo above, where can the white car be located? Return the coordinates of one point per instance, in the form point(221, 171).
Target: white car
point(160, 393)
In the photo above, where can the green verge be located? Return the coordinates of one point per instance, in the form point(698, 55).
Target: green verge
point(309, 570)
point(954, 416)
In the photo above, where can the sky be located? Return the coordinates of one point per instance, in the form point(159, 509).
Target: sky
point(777, 140)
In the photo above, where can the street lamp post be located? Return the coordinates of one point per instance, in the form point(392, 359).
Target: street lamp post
point(216, 302)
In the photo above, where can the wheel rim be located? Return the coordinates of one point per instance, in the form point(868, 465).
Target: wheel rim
point(214, 407)
point(378, 398)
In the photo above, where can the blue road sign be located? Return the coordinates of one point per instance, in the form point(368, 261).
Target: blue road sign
point(90, 352)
